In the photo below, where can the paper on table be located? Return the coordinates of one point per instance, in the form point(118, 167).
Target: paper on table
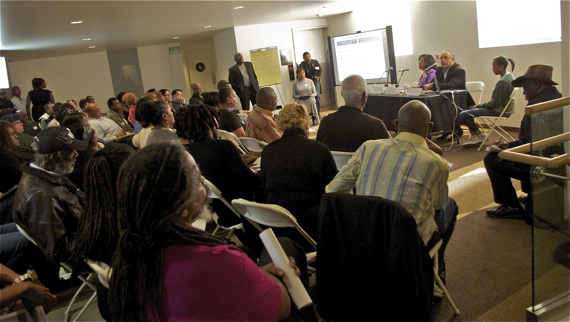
point(291, 281)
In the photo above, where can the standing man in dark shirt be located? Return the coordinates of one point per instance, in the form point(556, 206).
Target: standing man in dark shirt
point(538, 87)
point(244, 81)
point(349, 127)
point(313, 72)
point(196, 98)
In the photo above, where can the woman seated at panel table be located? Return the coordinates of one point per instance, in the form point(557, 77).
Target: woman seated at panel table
point(499, 99)
point(304, 92)
point(425, 61)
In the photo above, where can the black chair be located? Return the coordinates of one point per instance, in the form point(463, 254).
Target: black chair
point(372, 263)
point(6, 205)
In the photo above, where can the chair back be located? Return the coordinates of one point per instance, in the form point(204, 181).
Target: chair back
point(475, 87)
point(510, 107)
point(341, 158)
point(270, 215)
point(253, 144)
point(102, 270)
point(234, 139)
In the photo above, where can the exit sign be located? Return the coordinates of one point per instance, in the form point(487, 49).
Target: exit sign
point(174, 50)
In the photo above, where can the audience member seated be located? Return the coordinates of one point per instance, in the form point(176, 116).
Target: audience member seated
point(47, 205)
point(260, 122)
point(167, 260)
point(499, 99)
point(304, 92)
point(64, 109)
point(166, 96)
point(116, 115)
point(224, 83)
point(75, 117)
point(31, 128)
point(90, 99)
point(211, 99)
point(56, 110)
point(349, 127)
point(151, 95)
point(72, 103)
point(411, 172)
point(130, 100)
point(177, 100)
point(106, 129)
point(98, 231)
point(86, 134)
point(47, 117)
point(23, 151)
point(9, 163)
point(425, 61)
point(197, 97)
point(152, 116)
point(296, 170)
point(22, 287)
point(83, 104)
point(229, 121)
point(164, 120)
point(219, 160)
point(538, 87)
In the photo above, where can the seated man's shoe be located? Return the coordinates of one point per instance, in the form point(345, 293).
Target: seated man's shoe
point(505, 212)
point(474, 141)
point(523, 199)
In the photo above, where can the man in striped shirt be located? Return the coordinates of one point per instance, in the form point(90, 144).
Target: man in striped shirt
point(409, 170)
point(260, 122)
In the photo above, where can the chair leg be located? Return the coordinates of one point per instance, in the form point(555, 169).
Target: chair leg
point(231, 233)
point(444, 289)
point(215, 230)
point(85, 283)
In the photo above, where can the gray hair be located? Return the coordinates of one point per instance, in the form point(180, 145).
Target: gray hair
point(452, 54)
point(62, 167)
point(352, 88)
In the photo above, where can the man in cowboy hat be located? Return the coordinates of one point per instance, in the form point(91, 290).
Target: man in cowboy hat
point(538, 87)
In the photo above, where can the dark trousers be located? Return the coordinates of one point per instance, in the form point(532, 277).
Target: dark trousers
point(500, 173)
point(318, 97)
point(445, 220)
point(246, 96)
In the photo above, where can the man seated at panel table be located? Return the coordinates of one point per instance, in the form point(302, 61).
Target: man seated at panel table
point(410, 170)
point(349, 127)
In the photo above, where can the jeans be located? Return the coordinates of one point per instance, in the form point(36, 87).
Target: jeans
point(467, 117)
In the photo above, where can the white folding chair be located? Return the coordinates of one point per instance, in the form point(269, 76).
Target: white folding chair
point(214, 192)
point(492, 121)
point(475, 87)
point(102, 270)
point(341, 158)
point(234, 139)
point(252, 144)
point(434, 256)
point(66, 270)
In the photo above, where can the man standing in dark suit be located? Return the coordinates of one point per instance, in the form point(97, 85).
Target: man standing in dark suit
point(313, 72)
point(244, 81)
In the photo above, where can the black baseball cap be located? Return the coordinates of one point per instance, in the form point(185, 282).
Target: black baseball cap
point(58, 138)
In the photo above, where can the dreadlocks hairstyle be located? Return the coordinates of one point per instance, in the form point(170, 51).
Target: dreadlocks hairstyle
point(155, 186)
point(195, 123)
point(98, 232)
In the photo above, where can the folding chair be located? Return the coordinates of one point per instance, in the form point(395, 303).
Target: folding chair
point(341, 158)
point(214, 192)
point(434, 256)
point(252, 144)
point(65, 271)
point(491, 121)
point(234, 139)
point(102, 270)
point(475, 87)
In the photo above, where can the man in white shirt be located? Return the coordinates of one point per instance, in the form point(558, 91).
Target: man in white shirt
point(107, 130)
point(19, 102)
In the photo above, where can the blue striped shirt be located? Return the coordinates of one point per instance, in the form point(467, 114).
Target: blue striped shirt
point(403, 170)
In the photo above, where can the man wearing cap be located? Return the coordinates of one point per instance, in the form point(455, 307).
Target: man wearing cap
point(106, 129)
point(538, 87)
point(47, 206)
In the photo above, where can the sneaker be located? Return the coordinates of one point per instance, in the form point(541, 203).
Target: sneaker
point(505, 212)
point(474, 141)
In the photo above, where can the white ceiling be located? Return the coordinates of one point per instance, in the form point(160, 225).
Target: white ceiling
point(41, 29)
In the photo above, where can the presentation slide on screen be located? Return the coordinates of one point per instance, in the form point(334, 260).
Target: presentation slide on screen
point(361, 54)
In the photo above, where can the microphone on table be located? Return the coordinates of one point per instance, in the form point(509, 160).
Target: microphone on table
point(402, 71)
point(391, 68)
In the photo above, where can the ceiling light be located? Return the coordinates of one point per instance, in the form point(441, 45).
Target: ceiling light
point(206, 27)
point(175, 37)
point(86, 39)
point(76, 22)
point(239, 7)
point(91, 47)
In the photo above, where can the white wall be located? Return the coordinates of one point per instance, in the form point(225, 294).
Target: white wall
point(155, 67)
point(68, 77)
point(203, 52)
point(225, 46)
point(278, 34)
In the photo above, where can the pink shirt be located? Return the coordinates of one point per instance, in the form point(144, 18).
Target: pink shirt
point(218, 283)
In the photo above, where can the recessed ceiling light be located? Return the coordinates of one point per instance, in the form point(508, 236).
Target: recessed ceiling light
point(76, 22)
point(91, 47)
point(175, 37)
point(206, 27)
point(86, 39)
point(239, 7)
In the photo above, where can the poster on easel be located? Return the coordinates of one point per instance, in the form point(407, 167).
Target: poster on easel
point(266, 63)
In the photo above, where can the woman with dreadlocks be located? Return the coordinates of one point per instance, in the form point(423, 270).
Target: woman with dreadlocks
point(164, 269)
point(220, 162)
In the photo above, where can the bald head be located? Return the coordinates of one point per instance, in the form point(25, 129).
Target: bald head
point(266, 98)
point(93, 110)
point(414, 117)
point(353, 90)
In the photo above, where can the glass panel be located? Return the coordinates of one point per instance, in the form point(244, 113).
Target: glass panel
point(551, 239)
